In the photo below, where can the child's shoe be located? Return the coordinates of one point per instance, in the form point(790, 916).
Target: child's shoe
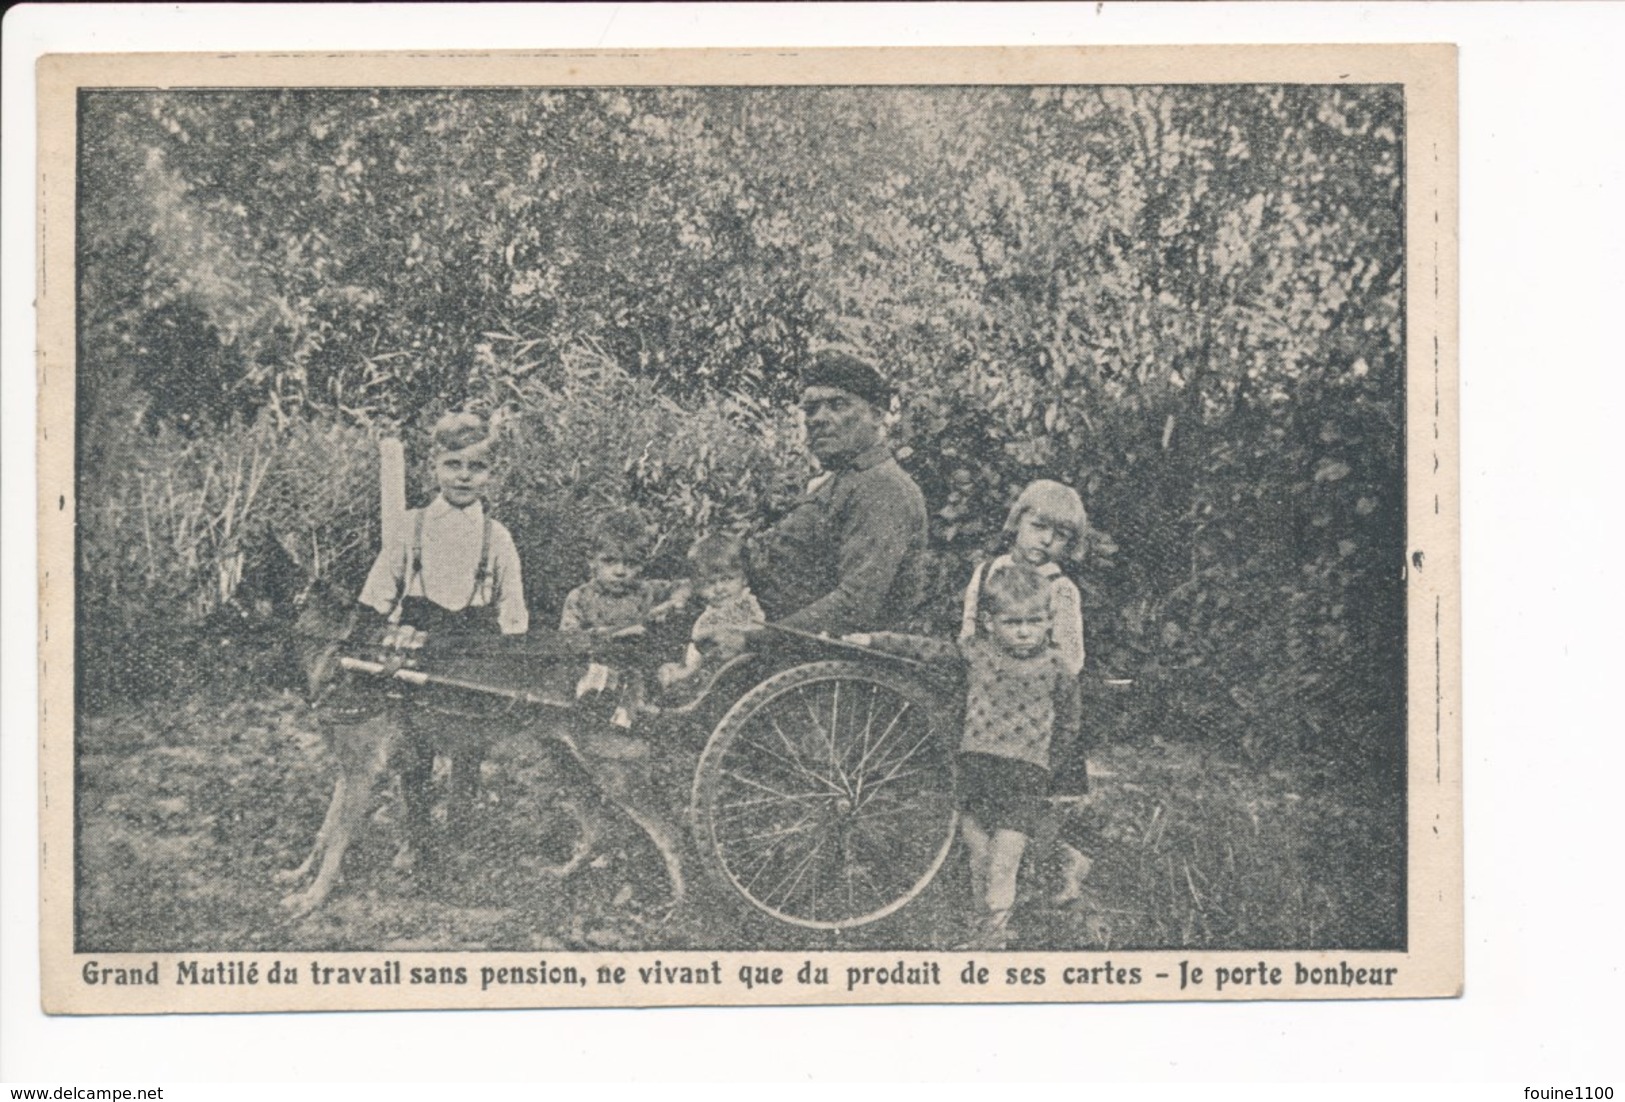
point(1075, 868)
point(992, 933)
point(598, 679)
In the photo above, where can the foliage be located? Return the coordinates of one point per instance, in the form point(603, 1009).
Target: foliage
point(1186, 301)
point(593, 437)
point(164, 516)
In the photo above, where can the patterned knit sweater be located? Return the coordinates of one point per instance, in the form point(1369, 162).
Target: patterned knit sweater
point(1010, 702)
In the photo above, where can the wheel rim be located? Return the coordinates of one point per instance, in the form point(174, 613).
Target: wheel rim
point(831, 803)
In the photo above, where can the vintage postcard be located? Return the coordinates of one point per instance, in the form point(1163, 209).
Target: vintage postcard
point(748, 527)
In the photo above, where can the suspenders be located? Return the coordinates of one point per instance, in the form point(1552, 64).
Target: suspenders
point(414, 568)
point(978, 576)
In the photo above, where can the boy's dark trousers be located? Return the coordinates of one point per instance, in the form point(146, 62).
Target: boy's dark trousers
point(464, 739)
point(462, 728)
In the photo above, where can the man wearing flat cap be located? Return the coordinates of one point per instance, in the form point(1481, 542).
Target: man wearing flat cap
point(847, 556)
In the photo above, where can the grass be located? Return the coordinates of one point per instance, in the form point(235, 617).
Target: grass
point(186, 811)
point(1194, 851)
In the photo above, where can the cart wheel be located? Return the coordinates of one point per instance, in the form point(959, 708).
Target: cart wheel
point(825, 795)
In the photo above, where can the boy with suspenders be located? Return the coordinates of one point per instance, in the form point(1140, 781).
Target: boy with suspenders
point(456, 580)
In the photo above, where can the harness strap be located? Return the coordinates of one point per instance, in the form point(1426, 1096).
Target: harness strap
point(483, 571)
point(414, 570)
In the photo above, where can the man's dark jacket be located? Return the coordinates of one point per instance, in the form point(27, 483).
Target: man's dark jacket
point(848, 556)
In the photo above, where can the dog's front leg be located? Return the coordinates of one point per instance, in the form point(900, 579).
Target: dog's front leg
point(319, 848)
point(667, 841)
point(363, 754)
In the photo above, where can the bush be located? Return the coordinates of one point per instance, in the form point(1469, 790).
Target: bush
point(163, 528)
point(1185, 301)
point(593, 437)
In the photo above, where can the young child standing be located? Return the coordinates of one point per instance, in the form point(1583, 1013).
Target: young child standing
point(618, 602)
point(1016, 687)
point(718, 567)
point(1045, 529)
point(454, 577)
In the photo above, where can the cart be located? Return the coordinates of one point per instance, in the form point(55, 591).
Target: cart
point(822, 792)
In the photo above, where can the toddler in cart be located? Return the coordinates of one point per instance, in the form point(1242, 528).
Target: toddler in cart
point(1016, 689)
point(731, 611)
point(618, 603)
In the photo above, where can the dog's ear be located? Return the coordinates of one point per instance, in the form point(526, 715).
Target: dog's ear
point(321, 656)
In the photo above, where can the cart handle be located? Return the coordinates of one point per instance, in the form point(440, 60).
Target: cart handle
point(842, 644)
point(420, 677)
point(1115, 683)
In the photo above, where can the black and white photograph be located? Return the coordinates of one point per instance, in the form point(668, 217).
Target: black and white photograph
point(590, 533)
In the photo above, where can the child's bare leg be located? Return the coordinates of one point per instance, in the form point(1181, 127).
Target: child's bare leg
point(976, 845)
point(1072, 846)
point(1004, 862)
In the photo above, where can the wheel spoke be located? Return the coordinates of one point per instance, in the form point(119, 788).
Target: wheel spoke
point(891, 778)
point(925, 739)
point(874, 888)
point(812, 908)
point(797, 873)
point(834, 726)
point(777, 832)
point(770, 850)
point(863, 762)
point(795, 760)
point(897, 830)
point(826, 734)
point(868, 729)
point(887, 864)
point(741, 830)
point(873, 814)
point(789, 746)
point(735, 805)
point(735, 776)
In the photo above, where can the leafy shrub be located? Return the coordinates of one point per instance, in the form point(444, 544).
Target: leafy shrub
point(589, 437)
point(1184, 301)
point(164, 516)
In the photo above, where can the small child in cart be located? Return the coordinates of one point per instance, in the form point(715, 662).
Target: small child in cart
point(618, 602)
point(1045, 529)
point(450, 579)
point(1017, 687)
point(731, 610)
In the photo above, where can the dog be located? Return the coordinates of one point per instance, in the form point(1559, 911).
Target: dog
point(597, 762)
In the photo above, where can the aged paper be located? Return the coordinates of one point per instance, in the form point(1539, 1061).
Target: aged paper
point(1218, 279)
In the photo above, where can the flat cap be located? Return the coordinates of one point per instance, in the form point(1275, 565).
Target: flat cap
point(847, 372)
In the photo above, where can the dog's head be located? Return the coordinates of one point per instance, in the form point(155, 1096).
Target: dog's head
point(272, 603)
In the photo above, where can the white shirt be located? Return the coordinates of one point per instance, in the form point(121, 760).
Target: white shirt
point(450, 561)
